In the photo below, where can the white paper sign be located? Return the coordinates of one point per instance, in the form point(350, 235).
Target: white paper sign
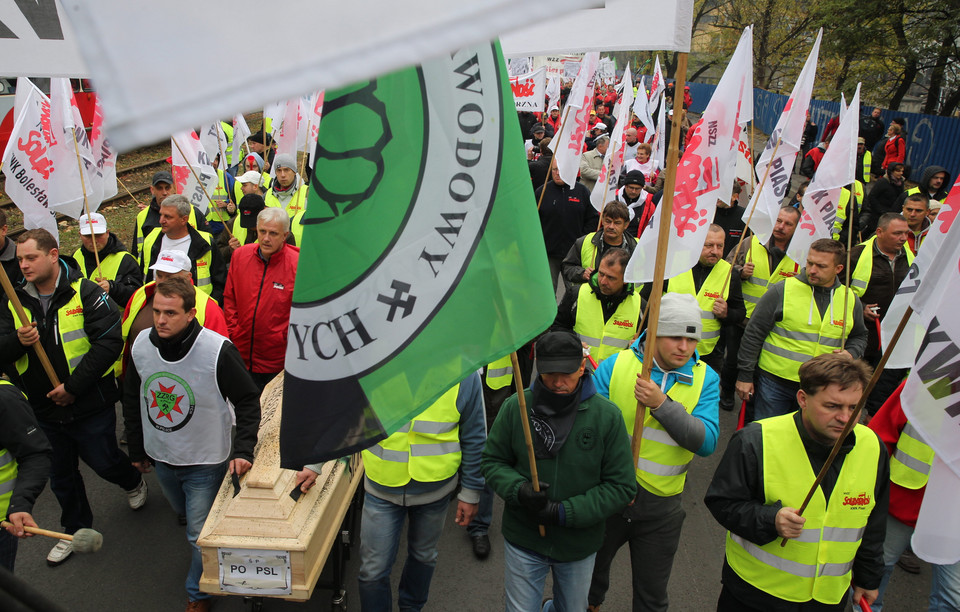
point(256, 572)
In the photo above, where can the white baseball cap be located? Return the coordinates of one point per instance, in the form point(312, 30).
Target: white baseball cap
point(251, 176)
point(172, 262)
point(96, 221)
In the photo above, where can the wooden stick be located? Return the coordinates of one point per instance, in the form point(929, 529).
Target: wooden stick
point(525, 422)
point(856, 412)
point(666, 217)
point(42, 532)
point(553, 160)
point(86, 208)
point(210, 202)
point(846, 286)
point(606, 189)
point(24, 321)
point(139, 204)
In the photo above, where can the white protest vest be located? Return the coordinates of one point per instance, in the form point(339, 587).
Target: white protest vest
point(185, 419)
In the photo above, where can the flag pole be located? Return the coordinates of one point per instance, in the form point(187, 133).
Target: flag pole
point(306, 153)
point(202, 186)
point(86, 208)
point(24, 320)
point(525, 422)
point(563, 124)
point(855, 417)
point(139, 204)
point(846, 286)
point(763, 181)
point(666, 217)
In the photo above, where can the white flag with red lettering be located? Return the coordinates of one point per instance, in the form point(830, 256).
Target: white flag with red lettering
point(568, 148)
point(286, 133)
point(26, 160)
point(241, 131)
point(822, 197)
point(73, 178)
point(187, 154)
point(606, 185)
point(712, 149)
point(529, 90)
point(104, 155)
point(788, 131)
point(657, 87)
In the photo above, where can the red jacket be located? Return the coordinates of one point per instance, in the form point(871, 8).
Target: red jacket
point(257, 302)
point(888, 423)
point(894, 151)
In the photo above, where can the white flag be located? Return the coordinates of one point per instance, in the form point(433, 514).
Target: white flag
point(905, 351)
point(659, 137)
point(657, 87)
point(529, 90)
point(241, 131)
point(745, 164)
point(186, 179)
point(315, 115)
point(26, 160)
point(214, 141)
point(789, 131)
point(642, 110)
point(553, 91)
point(274, 113)
point(936, 538)
point(72, 178)
point(606, 185)
point(104, 155)
point(836, 171)
point(286, 133)
point(568, 148)
point(712, 148)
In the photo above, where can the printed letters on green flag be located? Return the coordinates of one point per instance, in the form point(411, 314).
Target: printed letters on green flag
point(422, 258)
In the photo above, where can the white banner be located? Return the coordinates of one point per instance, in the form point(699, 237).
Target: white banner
point(606, 29)
point(323, 48)
point(658, 85)
point(193, 156)
point(519, 65)
point(789, 131)
point(606, 185)
point(642, 110)
point(712, 149)
point(214, 142)
point(937, 536)
point(26, 160)
point(285, 134)
point(104, 155)
point(38, 41)
point(529, 90)
point(74, 177)
point(568, 148)
point(553, 91)
point(607, 73)
point(822, 197)
point(241, 131)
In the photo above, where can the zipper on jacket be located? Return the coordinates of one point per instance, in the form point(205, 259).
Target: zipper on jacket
point(256, 305)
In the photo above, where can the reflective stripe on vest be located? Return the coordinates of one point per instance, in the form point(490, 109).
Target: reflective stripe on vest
point(606, 338)
point(69, 327)
point(426, 450)
point(296, 204)
point(818, 564)
point(911, 462)
point(296, 227)
point(802, 334)
point(499, 373)
point(842, 207)
point(219, 196)
point(588, 252)
point(142, 217)
point(8, 474)
point(662, 465)
point(714, 286)
point(754, 287)
point(864, 267)
point(867, 165)
point(202, 281)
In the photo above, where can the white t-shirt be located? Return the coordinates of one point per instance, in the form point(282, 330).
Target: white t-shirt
point(180, 244)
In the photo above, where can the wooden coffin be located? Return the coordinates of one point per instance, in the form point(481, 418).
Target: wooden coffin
point(263, 543)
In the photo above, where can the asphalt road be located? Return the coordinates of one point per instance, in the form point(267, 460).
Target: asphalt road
point(145, 557)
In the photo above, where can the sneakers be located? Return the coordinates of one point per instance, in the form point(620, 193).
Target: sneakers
point(60, 553)
point(138, 496)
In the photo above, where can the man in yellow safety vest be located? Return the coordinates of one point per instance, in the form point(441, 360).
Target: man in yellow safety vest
point(119, 274)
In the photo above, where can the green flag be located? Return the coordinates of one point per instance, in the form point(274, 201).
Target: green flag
point(422, 257)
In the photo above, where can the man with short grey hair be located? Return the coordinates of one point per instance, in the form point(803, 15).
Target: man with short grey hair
point(176, 234)
point(259, 294)
point(592, 161)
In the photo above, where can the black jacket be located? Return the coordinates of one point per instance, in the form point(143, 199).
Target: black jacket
point(731, 220)
point(22, 437)
point(129, 275)
point(881, 288)
point(101, 321)
point(8, 258)
point(736, 308)
point(567, 310)
point(871, 130)
point(736, 499)
point(233, 381)
point(570, 267)
point(883, 197)
point(924, 186)
point(152, 221)
point(565, 214)
point(539, 170)
point(198, 247)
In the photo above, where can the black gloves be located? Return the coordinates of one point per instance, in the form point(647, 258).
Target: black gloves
point(552, 514)
point(533, 501)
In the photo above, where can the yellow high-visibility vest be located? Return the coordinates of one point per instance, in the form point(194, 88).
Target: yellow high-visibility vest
point(714, 286)
point(754, 287)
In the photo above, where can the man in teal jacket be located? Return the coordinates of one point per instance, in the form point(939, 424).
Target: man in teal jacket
point(585, 470)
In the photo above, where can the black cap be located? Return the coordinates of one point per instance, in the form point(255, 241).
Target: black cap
point(559, 352)
point(162, 177)
point(248, 209)
point(259, 138)
point(634, 177)
point(537, 127)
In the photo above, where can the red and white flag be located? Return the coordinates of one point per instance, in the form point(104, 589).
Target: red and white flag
point(529, 90)
point(788, 131)
point(657, 87)
point(314, 115)
point(606, 185)
point(286, 134)
point(822, 198)
point(712, 149)
point(186, 179)
point(104, 154)
point(73, 179)
point(568, 148)
point(26, 161)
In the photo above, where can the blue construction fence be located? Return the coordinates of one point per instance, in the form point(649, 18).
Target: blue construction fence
point(931, 140)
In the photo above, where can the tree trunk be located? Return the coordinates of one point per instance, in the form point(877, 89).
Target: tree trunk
point(950, 103)
point(936, 81)
point(700, 71)
point(910, 69)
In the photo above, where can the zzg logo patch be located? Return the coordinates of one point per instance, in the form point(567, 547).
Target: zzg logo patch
point(169, 401)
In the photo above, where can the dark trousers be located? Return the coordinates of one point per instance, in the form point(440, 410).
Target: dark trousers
point(93, 439)
point(729, 603)
point(730, 336)
point(8, 549)
point(653, 537)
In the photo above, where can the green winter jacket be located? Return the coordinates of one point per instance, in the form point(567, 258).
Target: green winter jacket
point(592, 475)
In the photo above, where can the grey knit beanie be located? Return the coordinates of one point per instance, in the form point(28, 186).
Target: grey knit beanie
point(285, 160)
point(679, 316)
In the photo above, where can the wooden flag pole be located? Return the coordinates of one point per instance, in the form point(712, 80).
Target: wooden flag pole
point(133, 197)
point(525, 422)
point(666, 217)
point(855, 417)
point(86, 208)
point(24, 320)
point(846, 286)
point(306, 153)
point(202, 186)
point(763, 181)
point(553, 159)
